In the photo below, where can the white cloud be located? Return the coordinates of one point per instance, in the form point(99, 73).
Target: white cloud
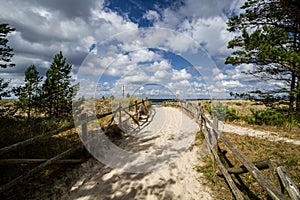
point(232, 84)
point(205, 21)
point(204, 8)
point(43, 29)
point(143, 55)
point(159, 66)
point(212, 33)
point(169, 40)
point(46, 27)
point(161, 75)
point(151, 15)
point(104, 87)
point(220, 76)
point(170, 19)
point(136, 79)
point(180, 75)
point(237, 73)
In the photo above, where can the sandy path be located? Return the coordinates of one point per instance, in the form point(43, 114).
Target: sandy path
point(176, 180)
point(271, 136)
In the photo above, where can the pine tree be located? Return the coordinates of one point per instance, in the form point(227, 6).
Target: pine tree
point(5, 56)
point(269, 39)
point(57, 88)
point(29, 93)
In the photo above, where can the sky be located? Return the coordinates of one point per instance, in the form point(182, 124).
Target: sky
point(155, 48)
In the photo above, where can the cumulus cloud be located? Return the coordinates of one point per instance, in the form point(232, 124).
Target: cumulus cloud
point(180, 75)
point(152, 15)
point(232, 84)
point(161, 65)
point(44, 28)
point(72, 26)
point(161, 75)
point(205, 21)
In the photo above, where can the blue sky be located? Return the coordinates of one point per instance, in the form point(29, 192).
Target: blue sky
point(179, 45)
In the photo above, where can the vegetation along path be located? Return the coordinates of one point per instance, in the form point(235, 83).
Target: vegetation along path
point(271, 136)
point(171, 133)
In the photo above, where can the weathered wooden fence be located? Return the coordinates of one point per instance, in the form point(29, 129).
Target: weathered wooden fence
point(212, 135)
point(139, 108)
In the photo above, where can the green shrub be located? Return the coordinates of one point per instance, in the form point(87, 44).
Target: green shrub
point(222, 112)
point(266, 117)
point(231, 115)
point(218, 110)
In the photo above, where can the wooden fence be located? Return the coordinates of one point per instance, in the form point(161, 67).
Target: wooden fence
point(212, 135)
point(139, 108)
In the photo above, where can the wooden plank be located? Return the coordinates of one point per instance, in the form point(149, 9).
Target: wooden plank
point(261, 164)
point(130, 106)
point(215, 123)
point(34, 139)
point(145, 106)
point(136, 121)
point(236, 192)
point(110, 122)
point(37, 161)
point(288, 183)
point(120, 115)
point(261, 179)
point(135, 107)
point(99, 116)
point(267, 186)
point(84, 130)
point(39, 168)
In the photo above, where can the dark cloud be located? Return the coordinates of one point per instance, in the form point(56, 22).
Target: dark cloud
point(69, 8)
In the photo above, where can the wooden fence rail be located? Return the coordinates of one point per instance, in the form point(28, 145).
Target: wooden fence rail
point(39, 168)
point(43, 163)
point(212, 134)
point(15, 146)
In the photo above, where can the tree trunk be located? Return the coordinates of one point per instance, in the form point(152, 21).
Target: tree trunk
point(292, 93)
point(50, 106)
point(28, 114)
point(29, 108)
point(298, 97)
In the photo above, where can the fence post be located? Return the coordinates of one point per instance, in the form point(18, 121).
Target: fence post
point(84, 133)
point(273, 164)
point(147, 103)
point(201, 118)
point(215, 123)
point(136, 106)
point(84, 126)
point(120, 115)
point(197, 115)
point(288, 183)
point(145, 106)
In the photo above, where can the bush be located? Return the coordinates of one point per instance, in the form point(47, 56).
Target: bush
point(266, 117)
point(231, 115)
point(218, 110)
point(222, 112)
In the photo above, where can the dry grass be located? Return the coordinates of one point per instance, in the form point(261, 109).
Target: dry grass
point(255, 149)
point(217, 184)
point(244, 107)
point(17, 128)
